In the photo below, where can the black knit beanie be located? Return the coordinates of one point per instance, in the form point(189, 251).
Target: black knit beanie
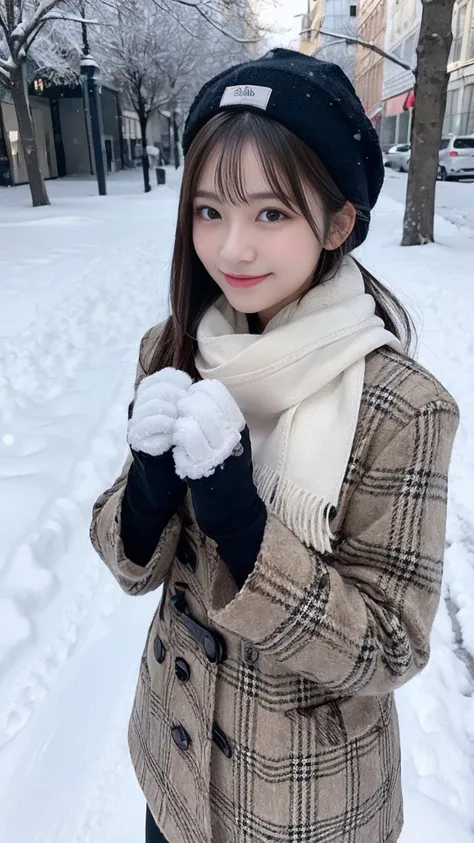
point(316, 101)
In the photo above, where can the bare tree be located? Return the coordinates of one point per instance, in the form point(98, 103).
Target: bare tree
point(29, 30)
point(430, 103)
point(160, 52)
point(431, 82)
point(147, 55)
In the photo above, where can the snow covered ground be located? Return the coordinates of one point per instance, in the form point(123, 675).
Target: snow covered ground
point(79, 284)
point(454, 200)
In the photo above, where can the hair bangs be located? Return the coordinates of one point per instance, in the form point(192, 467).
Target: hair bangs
point(229, 141)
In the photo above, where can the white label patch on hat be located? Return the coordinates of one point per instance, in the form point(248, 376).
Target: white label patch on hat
point(255, 95)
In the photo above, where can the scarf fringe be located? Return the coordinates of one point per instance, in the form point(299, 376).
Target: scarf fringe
point(300, 510)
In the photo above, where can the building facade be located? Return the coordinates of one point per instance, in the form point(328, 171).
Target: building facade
point(401, 39)
point(336, 16)
point(12, 159)
point(459, 118)
point(159, 132)
point(64, 136)
point(63, 133)
point(369, 65)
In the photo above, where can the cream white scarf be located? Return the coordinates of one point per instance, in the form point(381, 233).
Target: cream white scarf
point(299, 386)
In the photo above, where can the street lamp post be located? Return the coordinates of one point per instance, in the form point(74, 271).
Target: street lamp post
point(176, 114)
point(90, 73)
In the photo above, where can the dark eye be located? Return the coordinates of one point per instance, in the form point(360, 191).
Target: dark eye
point(272, 215)
point(207, 213)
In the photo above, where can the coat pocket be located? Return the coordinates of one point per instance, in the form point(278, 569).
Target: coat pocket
point(340, 721)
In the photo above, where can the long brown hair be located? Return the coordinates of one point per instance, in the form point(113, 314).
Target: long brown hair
point(290, 167)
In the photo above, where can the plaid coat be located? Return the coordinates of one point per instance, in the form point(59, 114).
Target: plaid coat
point(267, 715)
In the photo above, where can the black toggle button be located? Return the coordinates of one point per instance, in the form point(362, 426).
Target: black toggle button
point(181, 737)
point(221, 740)
point(159, 649)
point(212, 643)
point(182, 670)
point(210, 647)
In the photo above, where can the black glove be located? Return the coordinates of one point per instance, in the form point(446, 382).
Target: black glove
point(228, 510)
point(152, 496)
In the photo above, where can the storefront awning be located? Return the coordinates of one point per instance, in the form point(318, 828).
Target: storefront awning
point(374, 113)
point(395, 105)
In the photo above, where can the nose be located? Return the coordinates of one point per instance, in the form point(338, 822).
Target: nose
point(237, 246)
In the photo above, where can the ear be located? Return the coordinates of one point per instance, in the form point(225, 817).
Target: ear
point(342, 224)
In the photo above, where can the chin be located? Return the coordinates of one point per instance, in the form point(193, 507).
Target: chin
point(247, 301)
point(240, 307)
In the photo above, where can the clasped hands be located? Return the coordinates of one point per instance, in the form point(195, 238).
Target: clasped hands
point(195, 436)
point(200, 422)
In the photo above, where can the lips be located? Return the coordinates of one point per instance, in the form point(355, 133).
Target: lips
point(245, 280)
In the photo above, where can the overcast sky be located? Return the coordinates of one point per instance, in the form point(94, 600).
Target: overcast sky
point(282, 14)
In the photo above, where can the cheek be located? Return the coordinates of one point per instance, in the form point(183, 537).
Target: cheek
point(298, 248)
point(199, 242)
point(205, 239)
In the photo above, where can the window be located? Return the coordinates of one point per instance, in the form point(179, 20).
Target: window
point(353, 11)
point(470, 46)
point(403, 132)
point(409, 49)
point(459, 20)
point(451, 113)
point(467, 124)
point(444, 143)
point(464, 143)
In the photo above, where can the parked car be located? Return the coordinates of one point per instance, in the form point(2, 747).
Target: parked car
point(398, 157)
point(456, 158)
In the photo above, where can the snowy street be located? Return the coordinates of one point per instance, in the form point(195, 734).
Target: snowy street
point(80, 282)
point(454, 200)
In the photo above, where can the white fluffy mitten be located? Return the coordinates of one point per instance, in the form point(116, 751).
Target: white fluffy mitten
point(155, 412)
point(207, 430)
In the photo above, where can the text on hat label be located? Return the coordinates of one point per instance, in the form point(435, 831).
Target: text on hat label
point(255, 95)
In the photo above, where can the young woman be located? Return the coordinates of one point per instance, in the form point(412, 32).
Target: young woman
point(286, 483)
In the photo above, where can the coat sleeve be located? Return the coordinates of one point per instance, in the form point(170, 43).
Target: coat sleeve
point(358, 621)
point(105, 531)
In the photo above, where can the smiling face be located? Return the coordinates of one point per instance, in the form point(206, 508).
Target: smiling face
point(261, 253)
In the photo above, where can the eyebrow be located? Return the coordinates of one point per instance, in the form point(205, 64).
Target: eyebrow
point(208, 194)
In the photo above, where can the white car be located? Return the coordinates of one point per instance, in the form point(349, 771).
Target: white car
point(398, 157)
point(456, 158)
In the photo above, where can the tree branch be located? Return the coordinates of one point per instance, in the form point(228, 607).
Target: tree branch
point(349, 39)
point(68, 17)
point(223, 31)
point(10, 14)
point(34, 36)
point(209, 20)
point(3, 26)
point(180, 23)
point(25, 30)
